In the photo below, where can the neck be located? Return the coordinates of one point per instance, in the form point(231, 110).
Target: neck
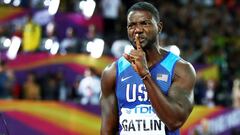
point(153, 55)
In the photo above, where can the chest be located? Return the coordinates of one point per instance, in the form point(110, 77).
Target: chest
point(131, 89)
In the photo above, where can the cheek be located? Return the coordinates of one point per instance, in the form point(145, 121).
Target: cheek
point(130, 33)
point(152, 33)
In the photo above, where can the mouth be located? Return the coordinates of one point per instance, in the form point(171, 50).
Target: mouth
point(141, 39)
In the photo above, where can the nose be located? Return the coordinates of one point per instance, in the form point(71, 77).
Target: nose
point(138, 29)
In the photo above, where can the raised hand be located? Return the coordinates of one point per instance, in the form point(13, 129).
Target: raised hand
point(137, 58)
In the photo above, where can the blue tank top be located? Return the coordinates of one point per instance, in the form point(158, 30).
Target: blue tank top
point(136, 114)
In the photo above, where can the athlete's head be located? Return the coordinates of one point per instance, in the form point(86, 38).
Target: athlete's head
point(145, 6)
point(143, 19)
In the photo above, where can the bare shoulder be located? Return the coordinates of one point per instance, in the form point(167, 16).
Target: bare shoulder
point(108, 79)
point(185, 71)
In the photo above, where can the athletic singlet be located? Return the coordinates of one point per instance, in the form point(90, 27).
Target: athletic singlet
point(136, 114)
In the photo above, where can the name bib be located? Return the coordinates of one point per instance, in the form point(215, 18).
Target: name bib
point(141, 120)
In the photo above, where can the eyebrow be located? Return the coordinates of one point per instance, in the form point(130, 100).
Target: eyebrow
point(146, 20)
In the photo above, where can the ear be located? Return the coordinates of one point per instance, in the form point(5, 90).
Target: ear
point(160, 26)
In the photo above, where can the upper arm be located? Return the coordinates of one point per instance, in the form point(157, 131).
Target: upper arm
point(108, 101)
point(181, 90)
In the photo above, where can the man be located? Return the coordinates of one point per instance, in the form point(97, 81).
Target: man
point(89, 87)
point(31, 35)
point(149, 90)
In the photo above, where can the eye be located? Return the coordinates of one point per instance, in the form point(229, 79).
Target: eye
point(130, 26)
point(146, 23)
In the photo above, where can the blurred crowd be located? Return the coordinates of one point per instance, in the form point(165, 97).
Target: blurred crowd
point(206, 31)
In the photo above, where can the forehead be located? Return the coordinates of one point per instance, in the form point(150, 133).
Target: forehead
point(139, 15)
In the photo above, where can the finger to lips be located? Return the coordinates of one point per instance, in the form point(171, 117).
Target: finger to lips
point(138, 45)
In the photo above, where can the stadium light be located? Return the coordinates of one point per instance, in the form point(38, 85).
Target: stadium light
point(95, 47)
point(174, 49)
point(14, 47)
point(53, 7)
point(87, 7)
point(6, 42)
point(16, 3)
point(7, 1)
point(54, 48)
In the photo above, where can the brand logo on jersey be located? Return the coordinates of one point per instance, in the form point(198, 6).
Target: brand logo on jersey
point(162, 77)
point(125, 78)
point(141, 110)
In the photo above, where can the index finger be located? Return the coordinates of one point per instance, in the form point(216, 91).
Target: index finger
point(138, 45)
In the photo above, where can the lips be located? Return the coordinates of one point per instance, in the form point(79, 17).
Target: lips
point(141, 39)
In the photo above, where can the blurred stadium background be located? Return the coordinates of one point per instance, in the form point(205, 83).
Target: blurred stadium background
point(48, 47)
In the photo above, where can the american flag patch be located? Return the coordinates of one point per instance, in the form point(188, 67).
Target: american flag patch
point(162, 77)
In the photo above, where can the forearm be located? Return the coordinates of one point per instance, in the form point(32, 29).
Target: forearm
point(105, 131)
point(109, 116)
point(169, 110)
point(108, 125)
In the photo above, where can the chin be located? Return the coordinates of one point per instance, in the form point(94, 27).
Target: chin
point(144, 45)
